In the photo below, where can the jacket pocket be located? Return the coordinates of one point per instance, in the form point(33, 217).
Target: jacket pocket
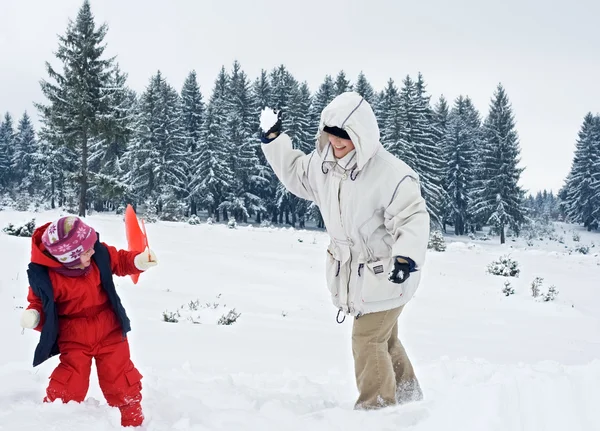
point(375, 284)
point(133, 377)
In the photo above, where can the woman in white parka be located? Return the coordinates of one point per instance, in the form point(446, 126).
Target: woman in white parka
point(378, 223)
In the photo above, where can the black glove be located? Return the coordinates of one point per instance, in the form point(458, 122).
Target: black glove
point(276, 129)
point(401, 271)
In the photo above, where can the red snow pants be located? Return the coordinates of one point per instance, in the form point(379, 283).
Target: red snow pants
point(96, 333)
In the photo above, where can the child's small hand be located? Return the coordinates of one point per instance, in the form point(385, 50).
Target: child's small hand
point(30, 319)
point(145, 260)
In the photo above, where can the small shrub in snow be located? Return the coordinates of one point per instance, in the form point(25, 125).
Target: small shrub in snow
point(505, 266)
point(194, 220)
point(266, 223)
point(472, 236)
point(197, 312)
point(583, 249)
point(171, 317)
point(232, 224)
point(25, 230)
point(230, 318)
point(209, 220)
point(530, 242)
point(508, 289)
point(576, 237)
point(484, 237)
point(536, 284)
point(551, 294)
point(437, 241)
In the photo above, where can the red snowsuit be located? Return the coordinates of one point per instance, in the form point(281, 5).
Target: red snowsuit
point(89, 328)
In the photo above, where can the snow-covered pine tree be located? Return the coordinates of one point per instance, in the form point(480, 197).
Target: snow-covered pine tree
point(441, 112)
point(214, 178)
point(581, 184)
point(460, 156)
point(430, 163)
point(499, 199)
point(157, 155)
point(107, 188)
point(596, 176)
point(7, 137)
point(242, 202)
point(410, 136)
point(342, 84)
point(265, 182)
point(24, 161)
point(192, 117)
point(79, 98)
point(364, 88)
point(387, 111)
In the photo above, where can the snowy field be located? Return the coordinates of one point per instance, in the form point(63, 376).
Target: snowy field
point(485, 361)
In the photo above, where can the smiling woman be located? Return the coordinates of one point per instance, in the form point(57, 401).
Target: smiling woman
point(340, 141)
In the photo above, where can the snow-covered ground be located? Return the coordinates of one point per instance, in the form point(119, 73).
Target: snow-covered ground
point(485, 361)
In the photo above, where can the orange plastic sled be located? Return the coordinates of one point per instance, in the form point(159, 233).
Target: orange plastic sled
point(136, 239)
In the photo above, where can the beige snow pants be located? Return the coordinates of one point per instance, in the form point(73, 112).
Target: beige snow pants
point(384, 374)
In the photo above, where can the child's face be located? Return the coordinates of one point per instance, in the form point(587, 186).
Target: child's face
point(86, 257)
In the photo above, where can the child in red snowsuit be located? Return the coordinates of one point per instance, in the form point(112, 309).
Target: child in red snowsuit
point(74, 304)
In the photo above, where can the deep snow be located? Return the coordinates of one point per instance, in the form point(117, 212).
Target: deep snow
point(485, 361)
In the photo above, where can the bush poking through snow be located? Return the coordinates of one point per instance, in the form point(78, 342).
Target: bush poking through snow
point(437, 241)
point(508, 289)
point(194, 220)
point(576, 237)
point(197, 312)
point(505, 266)
point(232, 224)
point(535, 286)
point(230, 318)
point(209, 220)
point(25, 230)
point(171, 317)
point(551, 294)
point(583, 249)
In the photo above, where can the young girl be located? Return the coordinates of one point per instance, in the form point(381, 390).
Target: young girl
point(75, 306)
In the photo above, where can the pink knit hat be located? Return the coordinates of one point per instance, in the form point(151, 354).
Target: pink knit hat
point(67, 239)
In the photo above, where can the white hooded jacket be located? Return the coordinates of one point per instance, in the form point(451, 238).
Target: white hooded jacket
point(371, 204)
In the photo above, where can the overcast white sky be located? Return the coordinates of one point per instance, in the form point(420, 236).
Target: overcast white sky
point(545, 56)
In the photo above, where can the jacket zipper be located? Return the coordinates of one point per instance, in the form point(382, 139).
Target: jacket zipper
point(347, 239)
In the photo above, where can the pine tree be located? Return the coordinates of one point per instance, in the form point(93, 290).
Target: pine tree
point(430, 163)
point(157, 156)
point(78, 99)
point(582, 182)
point(214, 178)
point(342, 84)
point(7, 137)
point(387, 111)
point(364, 88)
point(106, 153)
point(25, 158)
point(265, 182)
point(192, 110)
point(460, 156)
point(499, 199)
point(244, 146)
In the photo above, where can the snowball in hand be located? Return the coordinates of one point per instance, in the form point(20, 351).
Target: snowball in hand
point(268, 118)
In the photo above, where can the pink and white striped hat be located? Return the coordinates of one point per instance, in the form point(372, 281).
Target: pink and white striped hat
point(67, 239)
